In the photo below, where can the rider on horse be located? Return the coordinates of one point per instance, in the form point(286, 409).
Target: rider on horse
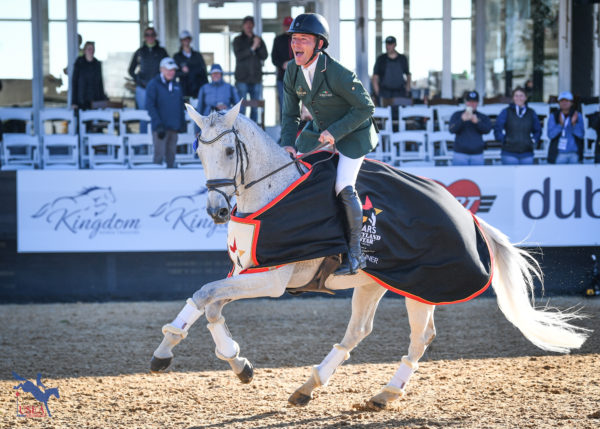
point(341, 109)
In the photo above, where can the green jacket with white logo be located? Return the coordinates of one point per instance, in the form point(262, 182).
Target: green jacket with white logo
point(338, 103)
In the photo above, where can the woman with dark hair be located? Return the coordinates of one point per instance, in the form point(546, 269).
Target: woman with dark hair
point(86, 84)
point(518, 128)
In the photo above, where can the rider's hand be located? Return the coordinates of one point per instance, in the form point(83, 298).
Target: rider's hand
point(290, 149)
point(326, 137)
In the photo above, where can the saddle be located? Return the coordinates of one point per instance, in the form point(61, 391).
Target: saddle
point(317, 284)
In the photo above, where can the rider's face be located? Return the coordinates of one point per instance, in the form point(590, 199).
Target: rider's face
point(303, 46)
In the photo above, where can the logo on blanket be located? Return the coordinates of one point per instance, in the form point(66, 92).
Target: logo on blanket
point(469, 195)
point(369, 229)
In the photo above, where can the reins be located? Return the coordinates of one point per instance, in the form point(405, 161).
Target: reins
point(241, 156)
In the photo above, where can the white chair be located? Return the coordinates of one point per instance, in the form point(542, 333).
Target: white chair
point(19, 114)
point(106, 151)
point(589, 145)
point(93, 123)
point(383, 119)
point(185, 157)
point(409, 148)
point(130, 117)
point(52, 121)
point(420, 113)
point(60, 151)
point(141, 151)
point(440, 144)
point(492, 111)
point(20, 151)
point(189, 126)
point(444, 112)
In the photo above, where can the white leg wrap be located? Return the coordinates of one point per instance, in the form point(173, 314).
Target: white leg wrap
point(226, 347)
point(187, 316)
point(336, 356)
point(403, 374)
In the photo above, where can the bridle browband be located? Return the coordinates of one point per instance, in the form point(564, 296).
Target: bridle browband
point(242, 162)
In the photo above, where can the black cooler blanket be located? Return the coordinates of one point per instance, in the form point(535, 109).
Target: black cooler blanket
point(419, 240)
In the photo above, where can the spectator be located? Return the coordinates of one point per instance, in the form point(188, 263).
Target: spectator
point(164, 102)
point(192, 68)
point(250, 52)
point(280, 55)
point(217, 95)
point(518, 128)
point(144, 65)
point(469, 125)
point(566, 132)
point(391, 76)
point(86, 83)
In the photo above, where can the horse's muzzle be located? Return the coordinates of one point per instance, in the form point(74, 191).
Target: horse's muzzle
point(219, 214)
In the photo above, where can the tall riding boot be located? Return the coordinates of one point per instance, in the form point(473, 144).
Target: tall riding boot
point(354, 216)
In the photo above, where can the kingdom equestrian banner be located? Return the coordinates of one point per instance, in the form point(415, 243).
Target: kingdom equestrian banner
point(165, 210)
point(115, 211)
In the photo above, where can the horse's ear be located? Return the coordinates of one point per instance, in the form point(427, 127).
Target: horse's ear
point(196, 117)
point(230, 117)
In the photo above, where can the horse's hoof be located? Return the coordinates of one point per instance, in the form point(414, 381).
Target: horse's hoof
point(247, 373)
point(158, 364)
point(376, 406)
point(299, 399)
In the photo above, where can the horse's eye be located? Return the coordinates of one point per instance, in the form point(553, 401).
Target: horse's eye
point(229, 151)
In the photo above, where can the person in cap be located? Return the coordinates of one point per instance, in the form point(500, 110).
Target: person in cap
point(192, 68)
point(565, 132)
point(519, 129)
point(217, 95)
point(250, 52)
point(164, 102)
point(469, 125)
point(144, 64)
point(280, 55)
point(341, 111)
point(391, 75)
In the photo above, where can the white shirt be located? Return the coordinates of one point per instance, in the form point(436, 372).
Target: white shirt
point(309, 72)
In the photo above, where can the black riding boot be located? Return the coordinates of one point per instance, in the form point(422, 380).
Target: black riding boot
point(354, 216)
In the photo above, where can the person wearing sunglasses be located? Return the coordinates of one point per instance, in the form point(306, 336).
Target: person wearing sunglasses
point(144, 66)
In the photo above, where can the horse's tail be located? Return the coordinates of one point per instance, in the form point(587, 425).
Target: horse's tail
point(514, 274)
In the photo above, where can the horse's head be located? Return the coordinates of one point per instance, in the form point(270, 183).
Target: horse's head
point(224, 158)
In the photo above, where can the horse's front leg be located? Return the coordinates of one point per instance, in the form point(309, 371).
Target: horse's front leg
point(422, 333)
point(365, 300)
point(264, 284)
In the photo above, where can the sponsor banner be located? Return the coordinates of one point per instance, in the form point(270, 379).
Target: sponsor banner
point(165, 210)
point(540, 205)
point(115, 210)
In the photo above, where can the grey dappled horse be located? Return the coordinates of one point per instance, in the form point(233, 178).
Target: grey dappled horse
point(231, 146)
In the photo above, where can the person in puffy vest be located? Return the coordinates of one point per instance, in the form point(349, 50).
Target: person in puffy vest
point(566, 132)
point(341, 112)
point(519, 129)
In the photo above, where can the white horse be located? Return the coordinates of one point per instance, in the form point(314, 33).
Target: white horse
point(233, 146)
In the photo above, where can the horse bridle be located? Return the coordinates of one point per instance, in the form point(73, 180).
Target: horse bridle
point(240, 158)
point(241, 161)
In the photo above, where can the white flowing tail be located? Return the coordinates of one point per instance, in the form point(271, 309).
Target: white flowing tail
point(513, 282)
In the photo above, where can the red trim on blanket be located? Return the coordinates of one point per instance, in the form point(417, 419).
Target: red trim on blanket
point(285, 192)
point(416, 298)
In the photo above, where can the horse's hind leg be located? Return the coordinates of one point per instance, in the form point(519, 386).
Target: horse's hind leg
point(422, 333)
point(365, 300)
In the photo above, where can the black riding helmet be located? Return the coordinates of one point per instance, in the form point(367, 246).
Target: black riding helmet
point(311, 23)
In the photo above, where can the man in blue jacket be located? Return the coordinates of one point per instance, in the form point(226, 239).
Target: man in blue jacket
point(164, 102)
point(469, 125)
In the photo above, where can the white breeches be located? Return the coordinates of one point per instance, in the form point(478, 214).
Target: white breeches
point(347, 172)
